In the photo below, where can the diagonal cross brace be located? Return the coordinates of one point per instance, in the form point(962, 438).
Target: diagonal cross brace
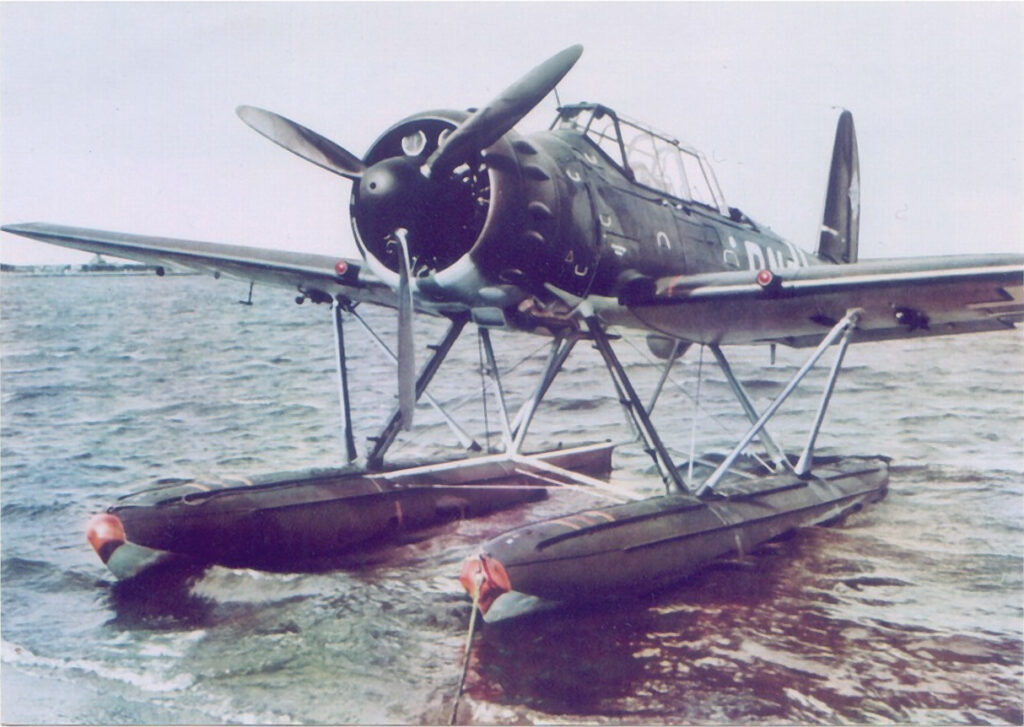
point(843, 327)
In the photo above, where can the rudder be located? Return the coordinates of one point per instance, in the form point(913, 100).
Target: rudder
point(840, 224)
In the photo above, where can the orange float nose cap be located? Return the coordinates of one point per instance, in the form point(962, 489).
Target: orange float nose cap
point(487, 575)
point(105, 533)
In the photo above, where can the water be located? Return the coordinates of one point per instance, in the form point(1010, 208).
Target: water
point(909, 612)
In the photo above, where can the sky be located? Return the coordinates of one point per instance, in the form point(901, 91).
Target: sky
point(120, 116)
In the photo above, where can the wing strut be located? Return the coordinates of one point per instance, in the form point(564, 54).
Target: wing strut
point(777, 455)
point(803, 466)
point(346, 406)
point(678, 348)
point(375, 459)
point(464, 438)
point(499, 395)
point(843, 328)
point(635, 407)
point(560, 350)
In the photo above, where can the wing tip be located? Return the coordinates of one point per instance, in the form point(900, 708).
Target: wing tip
point(25, 228)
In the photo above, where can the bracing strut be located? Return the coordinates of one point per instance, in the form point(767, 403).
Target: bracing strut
point(381, 443)
point(637, 410)
point(464, 438)
point(346, 404)
point(843, 328)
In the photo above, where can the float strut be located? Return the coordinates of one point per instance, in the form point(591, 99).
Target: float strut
point(848, 322)
point(777, 455)
point(803, 466)
point(657, 450)
point(375, 459)
point(560, 350)
point(464, 439)
point(492, 365)
point(346, 404)
point(677, 350)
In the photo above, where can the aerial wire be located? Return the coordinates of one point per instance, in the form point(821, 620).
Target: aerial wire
point(711, 416)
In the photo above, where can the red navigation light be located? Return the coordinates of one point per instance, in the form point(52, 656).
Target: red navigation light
point(340, 267)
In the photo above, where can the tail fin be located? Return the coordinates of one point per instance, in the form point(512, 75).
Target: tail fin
point(841, 223)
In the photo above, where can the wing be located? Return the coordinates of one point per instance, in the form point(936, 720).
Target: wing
point(318, 276)
point(900, 298)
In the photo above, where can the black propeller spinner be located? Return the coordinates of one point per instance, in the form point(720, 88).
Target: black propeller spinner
point(396, 198)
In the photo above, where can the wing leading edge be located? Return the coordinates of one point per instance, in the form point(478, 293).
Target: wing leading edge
point(307, 273)
point(898, 298)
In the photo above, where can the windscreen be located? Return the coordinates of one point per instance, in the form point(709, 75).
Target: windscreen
point(653, 159)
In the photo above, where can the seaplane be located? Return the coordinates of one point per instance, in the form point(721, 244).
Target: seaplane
point(595, 227)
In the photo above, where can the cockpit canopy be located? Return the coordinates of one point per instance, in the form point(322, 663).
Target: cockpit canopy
point(646, 156)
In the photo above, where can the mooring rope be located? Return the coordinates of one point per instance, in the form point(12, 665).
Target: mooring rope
point(469, 643)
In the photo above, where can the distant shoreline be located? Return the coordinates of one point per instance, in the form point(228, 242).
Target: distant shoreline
point(88, 270)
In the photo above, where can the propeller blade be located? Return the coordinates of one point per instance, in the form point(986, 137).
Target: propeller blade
point(490, 122)
point(406, 347)
point(302, 141)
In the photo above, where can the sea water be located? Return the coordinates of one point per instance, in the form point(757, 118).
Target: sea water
point(910, 611)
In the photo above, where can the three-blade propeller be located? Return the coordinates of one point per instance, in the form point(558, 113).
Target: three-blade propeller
point(484, 127)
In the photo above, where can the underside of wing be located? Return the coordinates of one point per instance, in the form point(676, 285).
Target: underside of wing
point(319, 277)
point(900, 298)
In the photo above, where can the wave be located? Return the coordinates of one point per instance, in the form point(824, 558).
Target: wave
point(146, 680)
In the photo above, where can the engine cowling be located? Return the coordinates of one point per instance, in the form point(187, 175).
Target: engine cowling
point(514, 217)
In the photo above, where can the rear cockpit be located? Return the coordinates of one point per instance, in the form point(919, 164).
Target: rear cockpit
point(644, 155)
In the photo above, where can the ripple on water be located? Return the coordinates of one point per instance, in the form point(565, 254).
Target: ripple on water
point(910, 611)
